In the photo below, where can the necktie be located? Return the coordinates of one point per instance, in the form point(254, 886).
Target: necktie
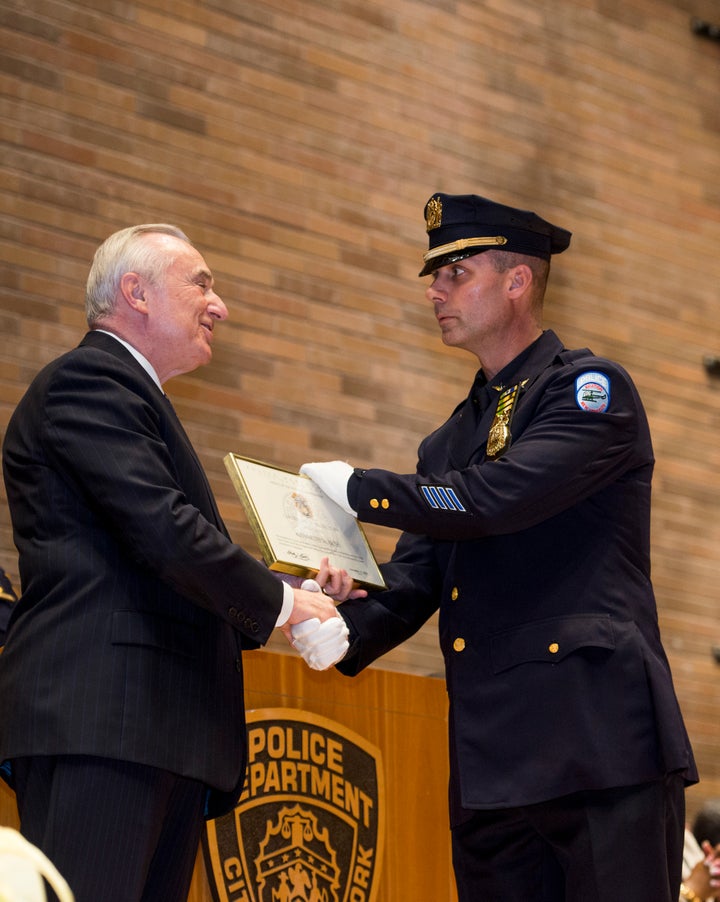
point(463, 442)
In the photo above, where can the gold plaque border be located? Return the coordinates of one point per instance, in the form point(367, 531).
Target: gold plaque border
point(257, 520)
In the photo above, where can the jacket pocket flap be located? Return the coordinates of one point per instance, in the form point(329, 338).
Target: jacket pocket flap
point(151, 631)
point(550, 640)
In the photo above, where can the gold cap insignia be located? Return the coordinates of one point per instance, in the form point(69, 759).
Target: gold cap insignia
point(433, 213)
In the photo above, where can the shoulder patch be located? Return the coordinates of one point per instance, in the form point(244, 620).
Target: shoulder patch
point(592, 392)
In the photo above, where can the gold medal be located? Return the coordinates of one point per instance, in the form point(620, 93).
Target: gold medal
point(499, 437)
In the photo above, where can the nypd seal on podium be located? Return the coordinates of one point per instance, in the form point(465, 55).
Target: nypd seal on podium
point(309, 824)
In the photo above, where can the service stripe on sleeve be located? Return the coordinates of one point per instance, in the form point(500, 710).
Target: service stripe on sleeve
point(440, 497)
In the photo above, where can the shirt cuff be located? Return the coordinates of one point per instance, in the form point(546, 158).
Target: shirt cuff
point(287, 605)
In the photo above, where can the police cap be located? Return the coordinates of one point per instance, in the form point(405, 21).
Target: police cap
point(460, 225)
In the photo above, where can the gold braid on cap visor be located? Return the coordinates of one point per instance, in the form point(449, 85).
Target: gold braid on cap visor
point(462, 243)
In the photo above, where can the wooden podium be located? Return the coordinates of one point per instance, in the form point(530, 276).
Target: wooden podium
point(405, 717)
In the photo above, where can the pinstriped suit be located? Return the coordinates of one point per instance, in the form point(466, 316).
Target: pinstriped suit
point(127, 641)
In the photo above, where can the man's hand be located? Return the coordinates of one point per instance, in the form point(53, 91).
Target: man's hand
point(332, 478)
point(336, 582)
point(311, 605)
point(332, 584)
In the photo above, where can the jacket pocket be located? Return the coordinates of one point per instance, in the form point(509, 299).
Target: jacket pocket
point(140, 628)
point(550, 640)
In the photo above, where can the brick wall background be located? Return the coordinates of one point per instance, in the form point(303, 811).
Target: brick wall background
point(297, 142)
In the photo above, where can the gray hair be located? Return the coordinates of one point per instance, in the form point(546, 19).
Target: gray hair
point(124, 251)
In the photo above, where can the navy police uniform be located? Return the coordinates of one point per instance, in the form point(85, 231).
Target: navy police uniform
point(527, 522)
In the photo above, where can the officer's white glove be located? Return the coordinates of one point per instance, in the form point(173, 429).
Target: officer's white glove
point(332, 478)
point(321, 644)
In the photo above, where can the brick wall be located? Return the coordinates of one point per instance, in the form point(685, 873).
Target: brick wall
point(296, 142)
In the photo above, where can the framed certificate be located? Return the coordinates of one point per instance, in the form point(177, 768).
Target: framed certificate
point(296, 524)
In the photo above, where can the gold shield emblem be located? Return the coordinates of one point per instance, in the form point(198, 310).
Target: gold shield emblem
point(433, 214)
point(309, 824)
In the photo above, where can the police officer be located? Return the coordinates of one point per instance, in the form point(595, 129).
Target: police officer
point(527, 522)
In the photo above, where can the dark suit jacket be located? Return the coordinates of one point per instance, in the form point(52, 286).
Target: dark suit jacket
point(539, 561)
point(126, 642)
point(7, 603)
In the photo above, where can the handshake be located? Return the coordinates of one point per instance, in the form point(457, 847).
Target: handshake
point(322, 640)
point(320, 644)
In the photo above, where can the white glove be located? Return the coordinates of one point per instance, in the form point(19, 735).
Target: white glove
point(331, 477)
point(321, 644)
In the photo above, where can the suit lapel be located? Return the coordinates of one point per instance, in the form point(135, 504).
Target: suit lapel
point(164, 407)
point(200, 472)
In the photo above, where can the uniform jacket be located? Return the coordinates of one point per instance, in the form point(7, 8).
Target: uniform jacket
point(126, 642)
point(538, 560)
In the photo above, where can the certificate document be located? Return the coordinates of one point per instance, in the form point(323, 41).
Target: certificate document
point(296, 524)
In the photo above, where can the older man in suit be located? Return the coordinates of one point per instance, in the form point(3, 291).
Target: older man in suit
point(121, 683)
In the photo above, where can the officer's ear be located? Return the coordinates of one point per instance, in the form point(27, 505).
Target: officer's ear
point(521, 278)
